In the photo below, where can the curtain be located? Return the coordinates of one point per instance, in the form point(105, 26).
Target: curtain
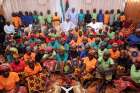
point(1, 2)
point(98, 4)
point(54, 5)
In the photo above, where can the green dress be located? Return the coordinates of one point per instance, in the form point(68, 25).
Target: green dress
point(135, 74)
point(103, 68)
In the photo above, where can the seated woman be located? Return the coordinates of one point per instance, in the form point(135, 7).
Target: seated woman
point(32, 68)
point(61, 57)
point(104, 71)
point(8, 80)
point(90, 65)
point(90, 61)
point(35, 78)
point(124, 63)
point(114, 52)
point(82, 48)
point(73, 53)
point(78, 67)
point(132, 81)
point(135, 73)
point(48, 59)
point(56, 21)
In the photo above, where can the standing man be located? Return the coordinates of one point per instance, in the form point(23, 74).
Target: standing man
point(73, 16)
point(88, 17)
point(112, 17)
point(49, 18)
point(41, 18)
point(94, 14)
point(56, 22)
point(100, 16)
point(81, 17)
point(117, 15)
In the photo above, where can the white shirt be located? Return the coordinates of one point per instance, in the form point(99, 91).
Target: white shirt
point(74, 17)
point(9, 29)
point(96, 26)
point(66, 26)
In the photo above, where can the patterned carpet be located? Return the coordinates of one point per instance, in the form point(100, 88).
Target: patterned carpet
point(90, 89)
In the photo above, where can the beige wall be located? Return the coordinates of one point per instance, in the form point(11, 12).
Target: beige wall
point(54, 5)
point(1, 10)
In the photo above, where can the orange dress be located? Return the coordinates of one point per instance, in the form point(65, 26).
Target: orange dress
point(9, 83)
point(114, 55)
point(90, 64)
point(106, 19)
point(16, 21)
point(30, 71)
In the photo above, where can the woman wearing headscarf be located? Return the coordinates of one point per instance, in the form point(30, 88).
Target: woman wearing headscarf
point(8, 80)
point(104, 71)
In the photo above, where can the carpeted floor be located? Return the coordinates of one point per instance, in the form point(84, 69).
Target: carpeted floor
point(90, 89)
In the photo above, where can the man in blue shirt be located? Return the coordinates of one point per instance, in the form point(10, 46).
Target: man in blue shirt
point(100, 16)
point(81, 17)
point(30, 18)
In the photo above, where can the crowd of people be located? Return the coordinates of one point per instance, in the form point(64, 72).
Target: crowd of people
point(34, 48)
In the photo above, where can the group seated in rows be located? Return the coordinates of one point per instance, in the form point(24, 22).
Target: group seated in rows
point(36, 47)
